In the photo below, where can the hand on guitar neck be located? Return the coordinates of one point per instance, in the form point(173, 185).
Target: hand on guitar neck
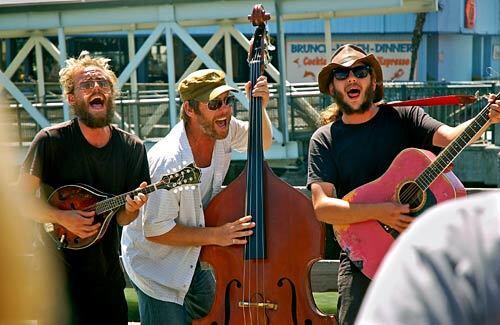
point(132, 206)
point(494, 113)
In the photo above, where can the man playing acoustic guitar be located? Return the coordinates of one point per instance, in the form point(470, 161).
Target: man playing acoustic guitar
point(88, 150)
point(358, 145)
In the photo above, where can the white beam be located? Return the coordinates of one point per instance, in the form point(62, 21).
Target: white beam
point(200, 13)
point(61, 43)
point(282, 99)
point(40, 80)
point(206, 59)
point(328, 38)
point(50, 47)
point(133, 79)
point(208, 48)
point(143, 51)
point(171, 76)
point(228, 54)
point(20, 57)
point(18, 95)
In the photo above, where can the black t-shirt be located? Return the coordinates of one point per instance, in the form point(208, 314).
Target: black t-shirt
point(60, 155)
point(350, 155)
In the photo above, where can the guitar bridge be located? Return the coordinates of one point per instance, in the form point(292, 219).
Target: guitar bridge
point(265, 305)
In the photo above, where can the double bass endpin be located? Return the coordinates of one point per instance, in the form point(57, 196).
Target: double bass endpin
point(265, 305)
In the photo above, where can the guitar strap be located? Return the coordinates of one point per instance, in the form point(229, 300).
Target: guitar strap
point(436, 101)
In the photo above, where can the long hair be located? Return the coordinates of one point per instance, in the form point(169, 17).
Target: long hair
point(331, 114)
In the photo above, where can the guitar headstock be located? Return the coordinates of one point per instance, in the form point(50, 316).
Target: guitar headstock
point(182, 178)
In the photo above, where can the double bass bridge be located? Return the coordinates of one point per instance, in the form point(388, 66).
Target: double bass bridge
point(265, 305)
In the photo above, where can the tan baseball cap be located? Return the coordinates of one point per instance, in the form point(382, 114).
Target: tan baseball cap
point(203, 85)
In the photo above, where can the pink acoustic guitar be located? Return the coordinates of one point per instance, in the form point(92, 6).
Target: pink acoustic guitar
point(415, 177)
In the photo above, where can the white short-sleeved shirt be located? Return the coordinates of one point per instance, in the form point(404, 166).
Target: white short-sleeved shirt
point(161, 271)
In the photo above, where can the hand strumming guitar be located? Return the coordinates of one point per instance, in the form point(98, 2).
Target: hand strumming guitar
point(393, 215)
point(78, 222)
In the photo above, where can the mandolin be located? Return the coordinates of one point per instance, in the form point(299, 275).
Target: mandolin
point(86, 198)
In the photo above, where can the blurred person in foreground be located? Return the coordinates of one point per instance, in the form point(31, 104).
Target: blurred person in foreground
point(24, 282)
point(161, 249)
point(445, 269)
point(88, 150)
point(360, 141)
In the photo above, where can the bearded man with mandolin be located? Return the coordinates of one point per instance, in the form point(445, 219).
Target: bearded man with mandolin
point(87, 150)
point(366, 176)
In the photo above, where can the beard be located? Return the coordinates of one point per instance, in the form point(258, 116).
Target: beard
point(347, 109)
point(86, 117)
point(209, 129)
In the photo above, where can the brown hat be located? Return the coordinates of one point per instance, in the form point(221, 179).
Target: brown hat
point(203, 85)
point(346, 56)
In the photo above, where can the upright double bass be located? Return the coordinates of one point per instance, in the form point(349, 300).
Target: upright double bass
point(267, 281)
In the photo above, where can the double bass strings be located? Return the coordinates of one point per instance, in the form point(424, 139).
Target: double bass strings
point(254, 200)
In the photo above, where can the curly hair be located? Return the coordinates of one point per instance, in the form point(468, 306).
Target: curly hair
point(72, 66)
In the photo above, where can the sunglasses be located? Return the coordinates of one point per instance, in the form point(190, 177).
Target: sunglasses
point(359, 72)
point(215, 104)
point(89, 85)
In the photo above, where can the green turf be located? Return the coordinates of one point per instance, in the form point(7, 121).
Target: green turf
point(133, 309)
point(326, 302)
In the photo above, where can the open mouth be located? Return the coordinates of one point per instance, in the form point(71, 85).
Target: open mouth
point(97, 103)
point(222, 123)
point(353, 93)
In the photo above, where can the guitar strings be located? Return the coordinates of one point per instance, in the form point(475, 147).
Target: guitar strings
point(410, 195)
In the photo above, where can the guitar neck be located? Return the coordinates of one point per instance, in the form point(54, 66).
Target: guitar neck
point(120, 200)
point(446, 157)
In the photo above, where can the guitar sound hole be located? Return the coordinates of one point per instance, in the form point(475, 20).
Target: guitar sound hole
point(411, 194)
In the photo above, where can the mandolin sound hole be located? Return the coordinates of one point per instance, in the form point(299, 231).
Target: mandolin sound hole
point(410, 193)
